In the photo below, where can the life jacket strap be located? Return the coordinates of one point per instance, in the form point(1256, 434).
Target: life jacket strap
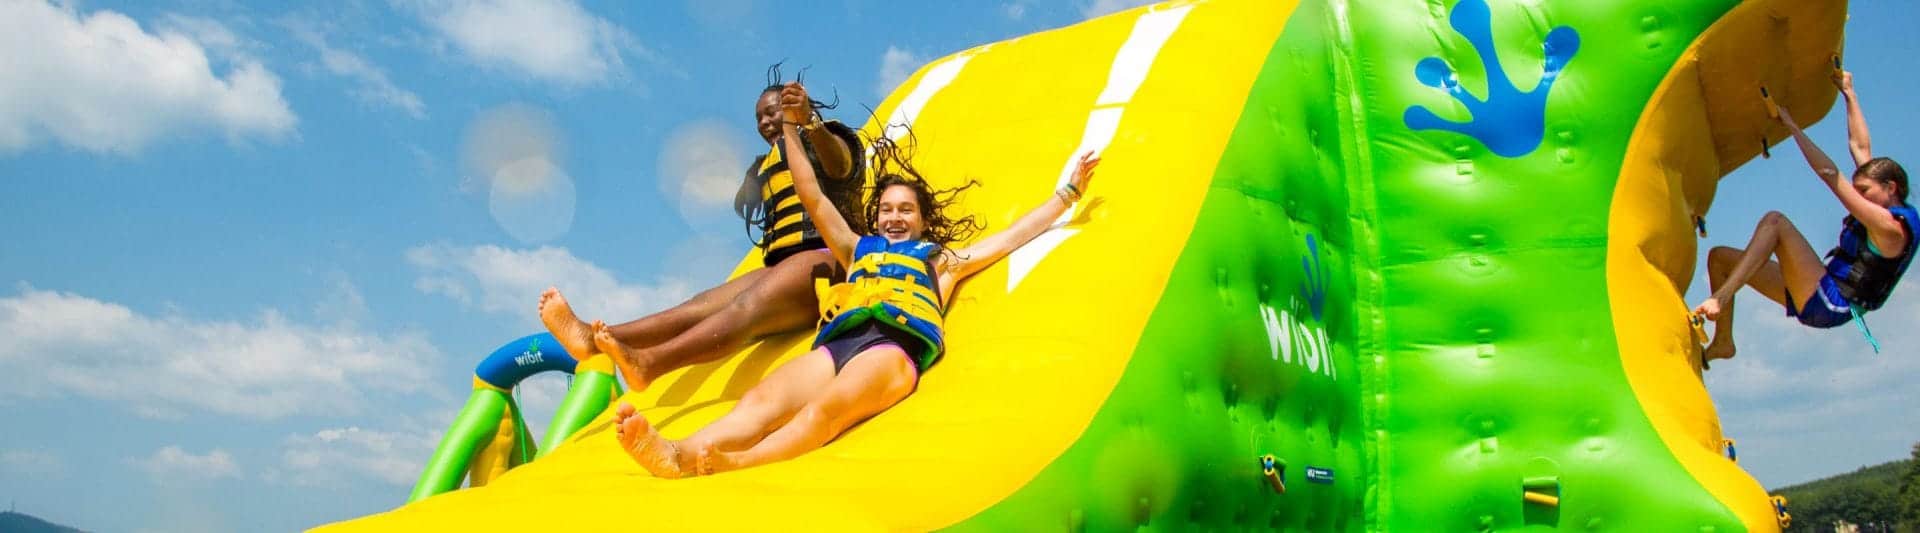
point(1860, 319)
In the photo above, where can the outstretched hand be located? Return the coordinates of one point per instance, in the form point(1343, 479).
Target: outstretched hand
point(795, 106)
point(1843, 80)
point(1083, 171)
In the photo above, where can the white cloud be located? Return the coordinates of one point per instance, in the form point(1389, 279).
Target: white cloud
point(509, 281)
point(371, 83)
point(1097, 8)
point(100, 83)
point(701, 165)
point(896, 65)
point(327, 456)
point(165, 365)
point(1806, 403)
point(553, 40)
point(1014, 10)
point(32, 463)
point(516, 150)
point(209, 33)
point(539, 396)
point(169, 464)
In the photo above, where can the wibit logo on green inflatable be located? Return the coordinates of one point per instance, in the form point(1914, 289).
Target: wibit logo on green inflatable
point(1511, 123)
point(1298, 341)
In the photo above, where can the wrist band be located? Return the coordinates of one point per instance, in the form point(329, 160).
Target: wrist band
point(1068, 194)
point(813, 123)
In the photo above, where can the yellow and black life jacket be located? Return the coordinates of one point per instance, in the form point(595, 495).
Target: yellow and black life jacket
point(769, 200)
point(893, 283)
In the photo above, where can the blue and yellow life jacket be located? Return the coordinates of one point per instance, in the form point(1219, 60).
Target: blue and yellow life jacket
point(784, 225)
point(894, 284)
point(1864, 276)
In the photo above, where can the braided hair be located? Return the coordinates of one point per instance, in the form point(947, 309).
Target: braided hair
point(844, 193)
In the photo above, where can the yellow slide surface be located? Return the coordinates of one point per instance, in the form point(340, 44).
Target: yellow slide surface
point(1035, 343)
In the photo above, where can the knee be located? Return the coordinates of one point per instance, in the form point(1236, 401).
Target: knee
point(1775, 218)
point(817, 417)
point(753, 399)
point(744, 306)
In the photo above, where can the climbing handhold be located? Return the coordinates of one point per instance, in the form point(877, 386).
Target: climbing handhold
point(1272, 469)
point(1543, 490)
point(1773, 110)
point(1699, 324)
point(1542, 499)
point(1780, 511)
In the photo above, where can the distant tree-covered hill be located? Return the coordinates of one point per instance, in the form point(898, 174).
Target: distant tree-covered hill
point(12, 522)
point(1868, 497)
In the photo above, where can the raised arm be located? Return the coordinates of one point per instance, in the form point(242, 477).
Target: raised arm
point(983, 253)
point(1877, 219)
point(795, 110)
point(1857, 140)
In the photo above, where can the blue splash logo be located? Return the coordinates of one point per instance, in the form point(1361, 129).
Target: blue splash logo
point(1511, 123)
point(1314, 286)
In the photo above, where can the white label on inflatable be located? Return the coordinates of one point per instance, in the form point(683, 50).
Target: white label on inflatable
point(1296, 342)
point(1130, 66)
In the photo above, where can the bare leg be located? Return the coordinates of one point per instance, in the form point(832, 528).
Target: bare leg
point(872, 382)
point(1798, 271)
point(780, 301)
point(658, 327)
point(768, 405)
point(576, 335)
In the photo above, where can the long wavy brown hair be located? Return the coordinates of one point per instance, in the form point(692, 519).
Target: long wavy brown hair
point(891, 167)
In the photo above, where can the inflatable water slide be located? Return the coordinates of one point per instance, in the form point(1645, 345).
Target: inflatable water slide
point(1400, 265)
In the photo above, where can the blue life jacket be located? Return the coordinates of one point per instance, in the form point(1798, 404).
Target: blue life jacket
point(1864, 276)
point(894, 284)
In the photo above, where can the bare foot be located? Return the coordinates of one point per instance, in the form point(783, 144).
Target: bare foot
point(1719, 350)
point(654, 453)
point(709, 461)
point(573, 334)
point(603, 339)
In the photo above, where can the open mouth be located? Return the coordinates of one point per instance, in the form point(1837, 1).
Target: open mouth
point(898, 233)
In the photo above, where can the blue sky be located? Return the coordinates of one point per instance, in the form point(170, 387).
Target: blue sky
point(253, 252)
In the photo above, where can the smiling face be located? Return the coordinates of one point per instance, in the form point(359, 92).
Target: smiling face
point(766, 112)
point(899, 216)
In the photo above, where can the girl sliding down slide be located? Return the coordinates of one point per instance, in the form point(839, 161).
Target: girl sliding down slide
point(1876, 243)
point(767, 301)
point(882, 328)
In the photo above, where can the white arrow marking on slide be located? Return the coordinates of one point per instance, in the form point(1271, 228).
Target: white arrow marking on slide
point(1129, 70)
point(936, 79)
